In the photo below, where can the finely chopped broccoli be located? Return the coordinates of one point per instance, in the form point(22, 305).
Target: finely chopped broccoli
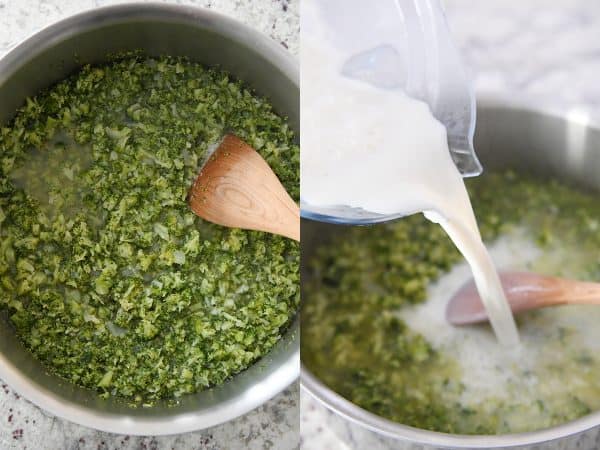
point(108, 277)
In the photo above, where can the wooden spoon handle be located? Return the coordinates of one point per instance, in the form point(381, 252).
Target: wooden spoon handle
point(538, 290)
point(567, 291)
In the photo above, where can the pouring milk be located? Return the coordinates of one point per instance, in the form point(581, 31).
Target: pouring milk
point(382, 151)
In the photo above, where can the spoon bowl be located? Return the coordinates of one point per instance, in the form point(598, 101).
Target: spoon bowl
point(237, 188)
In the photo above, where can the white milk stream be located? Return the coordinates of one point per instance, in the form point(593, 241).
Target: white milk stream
point(384, 152)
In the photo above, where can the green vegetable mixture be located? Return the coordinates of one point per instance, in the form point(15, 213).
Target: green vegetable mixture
point(107, 275)
point(355, 340)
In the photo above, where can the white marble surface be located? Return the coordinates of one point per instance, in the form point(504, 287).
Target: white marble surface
point(542, 52)
point(546, 52)
point(272, 426)
point(276, 18)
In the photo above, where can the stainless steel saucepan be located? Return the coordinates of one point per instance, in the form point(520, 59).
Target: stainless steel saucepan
point(203, 36)
point(507, 136)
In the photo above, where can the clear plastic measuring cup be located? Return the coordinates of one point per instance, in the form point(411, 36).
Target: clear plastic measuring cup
point(402, 44)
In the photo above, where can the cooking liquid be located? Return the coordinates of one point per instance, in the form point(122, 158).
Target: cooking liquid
point(382, 151)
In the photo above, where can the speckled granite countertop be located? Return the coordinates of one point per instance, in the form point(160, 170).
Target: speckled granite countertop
point(272, 426)
point(544, 52)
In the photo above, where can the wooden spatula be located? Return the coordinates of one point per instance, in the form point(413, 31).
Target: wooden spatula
point(237, 188)
point(524, 291)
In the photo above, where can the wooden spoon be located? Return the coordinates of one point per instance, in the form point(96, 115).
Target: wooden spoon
point(237, 188)
point(524, 291)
